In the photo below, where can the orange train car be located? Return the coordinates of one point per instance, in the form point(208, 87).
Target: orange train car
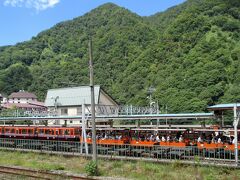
point(42, 133)
point(59, 133)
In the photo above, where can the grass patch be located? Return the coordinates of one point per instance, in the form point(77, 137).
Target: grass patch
point(118, 168)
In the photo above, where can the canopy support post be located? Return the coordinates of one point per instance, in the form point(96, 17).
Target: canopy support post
point(235, 123)
point(84, 134)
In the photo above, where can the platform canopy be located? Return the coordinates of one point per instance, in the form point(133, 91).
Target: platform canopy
point(223, 107)
point(120, 117)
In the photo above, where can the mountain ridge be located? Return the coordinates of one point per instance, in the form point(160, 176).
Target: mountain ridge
point(189, 53)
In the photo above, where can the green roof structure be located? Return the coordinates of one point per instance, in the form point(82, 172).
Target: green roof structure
point(71, 96)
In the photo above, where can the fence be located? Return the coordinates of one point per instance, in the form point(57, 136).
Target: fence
point(152, 153)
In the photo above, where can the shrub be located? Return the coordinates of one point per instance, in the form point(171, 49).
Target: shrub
point(91, 168)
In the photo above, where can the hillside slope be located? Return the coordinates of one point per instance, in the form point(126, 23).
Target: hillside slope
point(190, 54)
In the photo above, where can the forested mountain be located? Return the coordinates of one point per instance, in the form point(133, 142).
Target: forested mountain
point(189, 53)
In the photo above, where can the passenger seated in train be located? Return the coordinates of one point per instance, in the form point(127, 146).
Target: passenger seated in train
point(89, 135)
point(219, 140)
point(105, 136)
point(151, 137)
point(181, 138)
point(231, 140)
point(213, 140)
point(168, 138)
point(142, 138)
point(209, 139)
point(147, 138)
point(98, 136)
point(199, 140)
point(120, 137)
point(157, 138)
point(163, 139)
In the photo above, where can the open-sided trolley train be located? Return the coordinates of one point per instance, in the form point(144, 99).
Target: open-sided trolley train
point(212, 138)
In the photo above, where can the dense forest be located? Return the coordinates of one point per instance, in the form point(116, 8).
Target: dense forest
point(190, 54)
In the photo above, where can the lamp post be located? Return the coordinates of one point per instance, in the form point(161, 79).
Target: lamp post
point(150, 91)
point(152, 103)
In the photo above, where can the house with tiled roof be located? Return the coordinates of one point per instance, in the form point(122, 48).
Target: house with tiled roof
point(24, 100)
point(21, 97)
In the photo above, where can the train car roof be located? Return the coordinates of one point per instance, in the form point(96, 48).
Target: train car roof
point(137, 129)
point(215, 130)
point(56, 128)
point(19, 127)
point(107, 129)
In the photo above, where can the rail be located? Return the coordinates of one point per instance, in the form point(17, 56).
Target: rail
point(36, 174)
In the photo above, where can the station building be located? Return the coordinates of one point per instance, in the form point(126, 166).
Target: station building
point(69, 102)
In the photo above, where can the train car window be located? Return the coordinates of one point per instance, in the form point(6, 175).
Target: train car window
point(41, 131)
point(12, 130)
point(66, 132)
point(56, 132)
point(47, 131)
point(61, 132)
point(30, 131)
point(77, 132)
point(24, 131)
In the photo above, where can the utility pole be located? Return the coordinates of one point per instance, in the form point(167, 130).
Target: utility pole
point(94, 144)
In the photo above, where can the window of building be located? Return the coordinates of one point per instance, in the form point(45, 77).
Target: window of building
point(79, 111)
point(64, 111)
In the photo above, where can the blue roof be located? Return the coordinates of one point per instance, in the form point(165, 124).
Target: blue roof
point(224, 106)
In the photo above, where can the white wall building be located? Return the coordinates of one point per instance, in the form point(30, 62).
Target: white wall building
point(69, 101)
point(22, 97)
point(23, 100)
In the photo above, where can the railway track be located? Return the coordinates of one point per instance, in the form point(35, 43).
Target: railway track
point(36, 174)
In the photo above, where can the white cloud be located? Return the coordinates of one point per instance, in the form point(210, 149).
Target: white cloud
point(39, 5)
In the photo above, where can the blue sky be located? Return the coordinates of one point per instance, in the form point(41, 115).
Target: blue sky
point(20, 20)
